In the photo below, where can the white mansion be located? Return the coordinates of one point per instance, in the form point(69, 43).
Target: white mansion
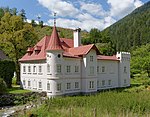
point(62, 66)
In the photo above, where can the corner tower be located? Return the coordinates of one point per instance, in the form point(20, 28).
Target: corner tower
point(124, 69)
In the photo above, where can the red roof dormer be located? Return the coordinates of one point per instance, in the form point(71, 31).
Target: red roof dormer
point(54, 43)
point(30, 50)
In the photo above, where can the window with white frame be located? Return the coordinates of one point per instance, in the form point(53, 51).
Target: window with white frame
point(91, 84)
point(97, 69)
point(125, 69)
point(58, 68)
point(40, 84)
point(91, 58)
point(24, 69)
point(34, 69)
point(29, 83)
point(98, 84)
point(103, 83)
point(103, 69)
point(125, 81)
point(40, 69)
point(76, 69)
point(76, 85)
point(109, 82)
point(48, 68)
point(24, 82)
point(48, 86)
point(68, 68)
point(68, 85)
point(91, 70)
point(29, 69)
point(59, 87)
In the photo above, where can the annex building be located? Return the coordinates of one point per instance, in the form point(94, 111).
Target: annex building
point(63, 66)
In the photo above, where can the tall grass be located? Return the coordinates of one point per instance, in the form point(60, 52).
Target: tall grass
point(110, 104)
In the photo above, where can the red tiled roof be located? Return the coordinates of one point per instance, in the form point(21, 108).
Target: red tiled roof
point(112, 58)
point(54, 43)
point(82, 50)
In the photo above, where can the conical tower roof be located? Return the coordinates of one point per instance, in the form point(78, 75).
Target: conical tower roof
point(54, 43)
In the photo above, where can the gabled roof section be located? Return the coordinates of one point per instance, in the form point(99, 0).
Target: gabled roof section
point(83, 50)
point(54, 43)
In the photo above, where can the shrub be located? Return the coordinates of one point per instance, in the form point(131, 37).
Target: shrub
point(3, 87)
point(7, 69)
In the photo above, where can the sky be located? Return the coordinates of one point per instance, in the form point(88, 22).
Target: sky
point(84, 14)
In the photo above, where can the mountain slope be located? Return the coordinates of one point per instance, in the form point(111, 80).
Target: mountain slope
point(131, 31)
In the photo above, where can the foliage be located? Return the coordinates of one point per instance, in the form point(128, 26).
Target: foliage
point(15, 37)
point(3, 86)
point(132, 30)
point(140, 60)
point(7, 69)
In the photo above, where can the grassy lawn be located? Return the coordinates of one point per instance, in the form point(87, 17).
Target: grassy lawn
point(16, 89)
point(125, 102)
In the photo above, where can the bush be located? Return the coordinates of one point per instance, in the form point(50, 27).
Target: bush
point(3, 86)
point(7, 69)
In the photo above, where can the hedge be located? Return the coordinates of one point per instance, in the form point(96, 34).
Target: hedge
point(3, 86)
point(7, 69)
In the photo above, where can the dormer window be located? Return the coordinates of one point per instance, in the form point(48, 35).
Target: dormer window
point(30, 51)
point(37, 50)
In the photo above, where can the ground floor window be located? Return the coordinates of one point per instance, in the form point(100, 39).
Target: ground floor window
point(103, 83)
point(109, 82)
point(48, 86)
point(68, 85)
point(24, 82)
point(29, 83)
point(76, 85)
point(91, 84)
point(98, 84)
point(59, 87)
point(40, 84)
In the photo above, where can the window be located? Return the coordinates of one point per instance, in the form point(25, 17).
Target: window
point(109, 82)
point(58, 68)
point(40, 69)
point(76, 85)
point(48, 86)
point(76, 69)
point(98, 83)
point(125, 69)
point(68, 85)
point(103, 82)
point(29, 83)
point(40, 84)
point(97, 69)
point(125, 81)
point(24, 82)
point(29, 69)
point(91, 84)
point(48, 68)
point(24, 69)
point(91, 70)
point(59, 87)
point(59, 56)
point(103, 69)
point(91, 58)
point(68, 69)
point(34, 69)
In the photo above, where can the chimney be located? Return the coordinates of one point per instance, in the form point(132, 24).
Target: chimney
point(77, 37)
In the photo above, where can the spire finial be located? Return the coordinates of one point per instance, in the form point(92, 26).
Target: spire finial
point(54, 18)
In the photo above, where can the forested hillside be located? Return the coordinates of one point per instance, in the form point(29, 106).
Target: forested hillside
point(131, 31)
